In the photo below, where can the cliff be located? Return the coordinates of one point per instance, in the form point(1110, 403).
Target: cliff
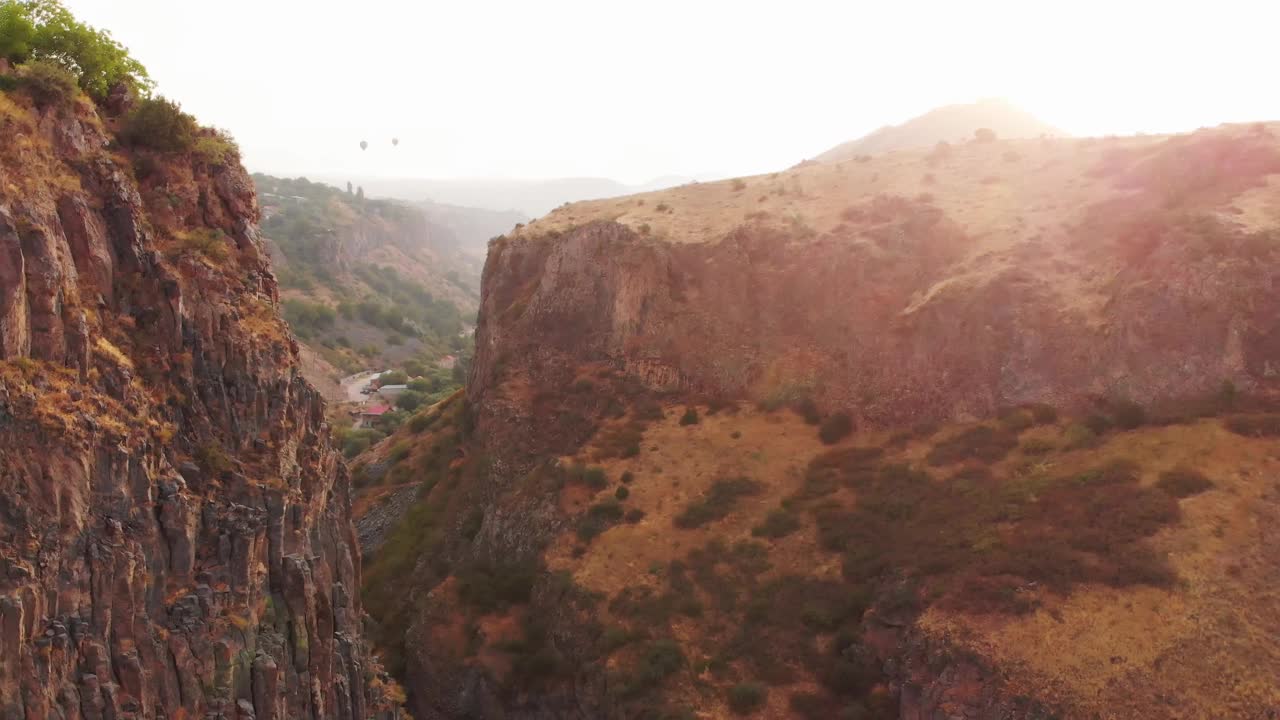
point(980, 431)
point(175, 534)
point(935, 287)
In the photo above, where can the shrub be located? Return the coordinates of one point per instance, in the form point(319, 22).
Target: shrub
point(984, 135)
point(777, 524)
point(627, 477)
point(1182, 482)
point(1037, 446)
point(216, 148)
point(622, 493)
point(1079, 435)
point(1042, 413)
point(47, 83)
point(159, 124)
point(661, 659)
point(633, 516)
point(595, 478)
point(204, 242)
point(739, 185)
point(690, 417)
point(1128, 415)
point(1016, 421)
point(807, 409)
point(493, 587)
point(718, 502)
point(1265, 425)
point(213, 460)
point(746, 698)
point(982, 442)
point(835, 428)
point(395, 377)
point(598, 518)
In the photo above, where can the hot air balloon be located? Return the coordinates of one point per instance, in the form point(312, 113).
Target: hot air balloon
point(395, 142)
point(364, 145)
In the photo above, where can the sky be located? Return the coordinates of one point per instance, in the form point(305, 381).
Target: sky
point(637, 90)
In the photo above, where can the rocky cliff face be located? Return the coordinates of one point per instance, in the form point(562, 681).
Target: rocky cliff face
point(175, 539)
point(1156, 285)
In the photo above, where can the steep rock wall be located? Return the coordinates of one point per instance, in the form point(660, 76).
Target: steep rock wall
point(175, 536)
point(890, 331)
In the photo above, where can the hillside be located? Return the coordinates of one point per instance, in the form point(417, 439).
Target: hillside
point(175, 529)
point(985, 430)
point(952, 123)
point(524, 197)
point(366, 284)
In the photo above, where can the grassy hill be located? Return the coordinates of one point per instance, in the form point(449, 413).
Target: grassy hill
point(952, 123)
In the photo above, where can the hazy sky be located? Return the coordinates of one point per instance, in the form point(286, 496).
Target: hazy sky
point(550, 88)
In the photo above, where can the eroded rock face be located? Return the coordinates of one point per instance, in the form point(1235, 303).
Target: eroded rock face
point(175, 534)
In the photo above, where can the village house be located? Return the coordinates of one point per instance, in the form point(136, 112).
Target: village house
point(370, 413)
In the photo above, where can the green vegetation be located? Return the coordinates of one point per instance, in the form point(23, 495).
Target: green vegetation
point(47, 83)
point(661, 659)
point(990, 536)
point(718, 502)
point(392, 316)
point(209, 244)
point(44, 31)
point(593, 477)
point(491, 587)
point(981, 442)
point(161, 125)
point(690, 417)
point(598, 518)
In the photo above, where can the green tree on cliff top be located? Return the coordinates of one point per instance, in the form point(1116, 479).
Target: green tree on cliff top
point(45, 30)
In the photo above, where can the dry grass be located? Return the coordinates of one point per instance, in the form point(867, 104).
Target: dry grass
point(1207, 641)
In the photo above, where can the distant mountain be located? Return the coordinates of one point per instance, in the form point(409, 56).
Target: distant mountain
point(950, 123)
point(532, 198)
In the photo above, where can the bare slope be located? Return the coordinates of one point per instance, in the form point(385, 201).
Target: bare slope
point(953, 123)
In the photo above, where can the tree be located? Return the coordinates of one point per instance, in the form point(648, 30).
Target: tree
point(410, 400)
point(160, 124)
point(349, 190)
point(360, 193)
point(16, 32)
point(45, 30)
point(984, 135)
